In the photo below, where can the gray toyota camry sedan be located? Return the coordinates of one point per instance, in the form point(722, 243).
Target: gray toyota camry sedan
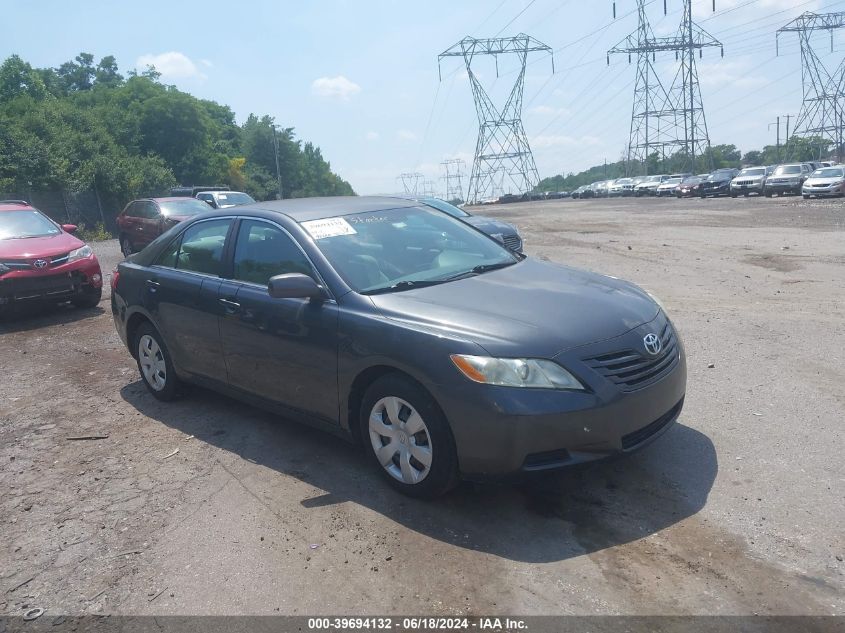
point(392, 323)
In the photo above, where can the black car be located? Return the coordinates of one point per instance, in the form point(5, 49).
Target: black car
point(398, 326)
point(503, 232)
point(718, 183)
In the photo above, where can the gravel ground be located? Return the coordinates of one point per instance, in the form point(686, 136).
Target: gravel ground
point(737, 510)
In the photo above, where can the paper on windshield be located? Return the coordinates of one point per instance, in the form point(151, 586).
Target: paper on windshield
point(328, 227)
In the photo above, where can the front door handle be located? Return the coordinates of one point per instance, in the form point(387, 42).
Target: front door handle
point(231, 306)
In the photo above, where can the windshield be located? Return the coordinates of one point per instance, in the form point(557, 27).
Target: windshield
point(787, 169)
point(624, 181)
point(230, 199)
point(756, 171)
point(25, 223)
point(444, 206)
point(692, 180)
point(398, 249)
point(672, 181)
point(186, 206)
point(829, 172)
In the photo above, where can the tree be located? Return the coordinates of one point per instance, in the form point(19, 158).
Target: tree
point(78, 74)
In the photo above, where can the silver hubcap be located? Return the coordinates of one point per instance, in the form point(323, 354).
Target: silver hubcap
point(152, 362)
point(400, 440)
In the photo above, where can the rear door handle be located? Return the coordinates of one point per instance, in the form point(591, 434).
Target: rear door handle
point(153, 285)
point(231, 306)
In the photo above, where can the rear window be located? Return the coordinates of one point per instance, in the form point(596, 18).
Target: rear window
point(231, 199)
point(787, 169)
point(188, 206)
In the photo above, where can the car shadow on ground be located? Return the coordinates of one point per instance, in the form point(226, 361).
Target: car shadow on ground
point(549, 517)
point(39, 316)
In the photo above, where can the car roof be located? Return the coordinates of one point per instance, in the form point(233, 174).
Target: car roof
point(14, 205)
point(304, 209)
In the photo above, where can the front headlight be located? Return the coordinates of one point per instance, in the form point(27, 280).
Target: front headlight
point(80, 253)
point(516, 372)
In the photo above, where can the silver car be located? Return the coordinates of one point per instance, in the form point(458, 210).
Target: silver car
point(749, 180)
point(827, 181)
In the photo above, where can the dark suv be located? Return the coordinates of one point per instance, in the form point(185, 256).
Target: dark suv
point(718, 183)
point(787, 179)
point(144, 220)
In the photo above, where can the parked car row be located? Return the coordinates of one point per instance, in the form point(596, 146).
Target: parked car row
point(809, 179)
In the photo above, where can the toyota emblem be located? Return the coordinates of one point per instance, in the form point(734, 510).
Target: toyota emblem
point(40, 263)
point(652, 344)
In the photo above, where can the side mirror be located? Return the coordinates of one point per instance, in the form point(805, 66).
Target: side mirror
point(69, 228)
point(294, 286)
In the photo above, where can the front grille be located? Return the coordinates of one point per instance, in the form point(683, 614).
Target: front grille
point(634, 370)
point(512, 242)
point(639, 436)
point(40, 286)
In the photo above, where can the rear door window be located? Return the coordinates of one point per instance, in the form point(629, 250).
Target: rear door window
point(201, 249)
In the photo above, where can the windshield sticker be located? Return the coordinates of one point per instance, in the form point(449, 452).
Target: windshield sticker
point(329, 227)
point(221, 196)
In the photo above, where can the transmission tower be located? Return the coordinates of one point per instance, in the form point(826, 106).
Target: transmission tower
point(454, 178)
point(412, 183)
point(821, 115)
point(428, 188)
point(503, 158)
point(666, 121)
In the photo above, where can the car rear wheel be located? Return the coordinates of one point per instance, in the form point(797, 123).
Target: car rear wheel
point(408, 438)
point(154, 363)
point(126, 246)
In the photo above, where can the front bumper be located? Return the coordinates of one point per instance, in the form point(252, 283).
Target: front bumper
point(779, 188)
point(501, 431)
point(60, 283)
point(718, 190)
point(826, 190)
point(740, 189)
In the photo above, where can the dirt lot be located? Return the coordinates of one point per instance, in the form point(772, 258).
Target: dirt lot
point(737, 510)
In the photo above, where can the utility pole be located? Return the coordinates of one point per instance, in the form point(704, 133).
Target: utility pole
point(502, 154)
point(657, 113)
point(276, 152)
point(823, 92)
point(788, 116)
point(778, 136)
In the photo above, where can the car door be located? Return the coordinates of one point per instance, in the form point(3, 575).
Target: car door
point(152, 222)
point(284, 350)
point(181, 293)
point(130, 223)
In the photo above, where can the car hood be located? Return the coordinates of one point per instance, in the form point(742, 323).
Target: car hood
point(490, 226)
point(46, 246)
point(822, 181)
point(530, 309)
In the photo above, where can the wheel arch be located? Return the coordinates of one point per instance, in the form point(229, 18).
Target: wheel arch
point(363, 380)
point(132, 324)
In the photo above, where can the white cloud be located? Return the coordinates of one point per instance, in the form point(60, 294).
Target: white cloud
point(335, 87)
point(206, 62)
point(372, 136)
point(171, 65)
point(406, 135)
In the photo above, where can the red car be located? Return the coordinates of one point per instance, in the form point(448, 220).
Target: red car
point(144, 220)
point(41, 261)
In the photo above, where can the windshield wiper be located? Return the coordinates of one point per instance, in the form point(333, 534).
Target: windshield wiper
point(483, 268)
point(405, 285)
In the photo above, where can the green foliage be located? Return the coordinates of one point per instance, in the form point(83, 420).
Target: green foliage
point(718, 156)
point(97, 234)
point(83, 126)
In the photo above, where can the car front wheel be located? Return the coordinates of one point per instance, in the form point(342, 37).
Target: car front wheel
point(154, 363)
point(408, 438)
point(88, 298)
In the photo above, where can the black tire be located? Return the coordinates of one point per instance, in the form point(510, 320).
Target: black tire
point(443, 472)
point(806, 197)
point(768, 194)
point(734, 195)
point(172, 386)
point(126, 246)
point(88, 298)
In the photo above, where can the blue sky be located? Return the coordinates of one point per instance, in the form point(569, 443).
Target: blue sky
point(360, 79)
